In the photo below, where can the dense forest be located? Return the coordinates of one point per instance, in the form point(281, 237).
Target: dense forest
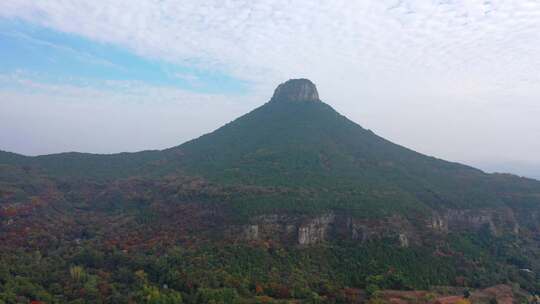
point(95, 271)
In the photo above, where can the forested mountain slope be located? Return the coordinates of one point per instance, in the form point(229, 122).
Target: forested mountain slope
point(292, 194)
point(298, 142)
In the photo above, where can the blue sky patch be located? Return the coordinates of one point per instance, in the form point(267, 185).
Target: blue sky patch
point(56, 57)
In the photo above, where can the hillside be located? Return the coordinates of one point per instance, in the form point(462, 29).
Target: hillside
point(290, 201)
point(324, 160)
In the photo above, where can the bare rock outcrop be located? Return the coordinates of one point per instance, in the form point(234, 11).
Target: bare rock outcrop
point(296, 90)
point(496, 220)
point(316, 230)
point(310, 230)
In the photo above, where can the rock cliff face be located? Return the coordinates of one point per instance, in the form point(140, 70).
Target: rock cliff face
point(306, 231)
point(296, 90)
point(288, 229)
point(498, 221)
point(395, 228)
point(316, 230)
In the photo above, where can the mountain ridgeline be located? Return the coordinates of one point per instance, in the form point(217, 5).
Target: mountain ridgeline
point(298, 142)
point(292, 186)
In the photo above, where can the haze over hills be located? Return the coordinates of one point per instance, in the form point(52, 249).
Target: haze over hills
point(296, 187)
point(296, 140)
point(527, 169)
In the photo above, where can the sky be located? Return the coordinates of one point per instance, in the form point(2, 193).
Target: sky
point(453, 79)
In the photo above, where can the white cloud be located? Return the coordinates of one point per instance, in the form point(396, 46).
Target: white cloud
point(119, 116)
point(449, 78)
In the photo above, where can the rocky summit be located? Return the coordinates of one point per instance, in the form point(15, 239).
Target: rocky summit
point(296, 90)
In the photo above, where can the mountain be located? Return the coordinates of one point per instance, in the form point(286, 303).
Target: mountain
point(299, 142)
point(291, 192)
point(296, 140)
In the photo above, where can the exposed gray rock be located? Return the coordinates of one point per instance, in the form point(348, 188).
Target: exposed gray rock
point(295, 90)
point(438, 223)
point(498, 220)
point(275, 227)
point(306, 230)
point(316, 230)
point(403, 240)
point(359, 232)
point(251, 232)
point(394, 227)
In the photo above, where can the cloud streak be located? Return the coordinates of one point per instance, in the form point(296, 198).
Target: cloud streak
point(278, 37)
